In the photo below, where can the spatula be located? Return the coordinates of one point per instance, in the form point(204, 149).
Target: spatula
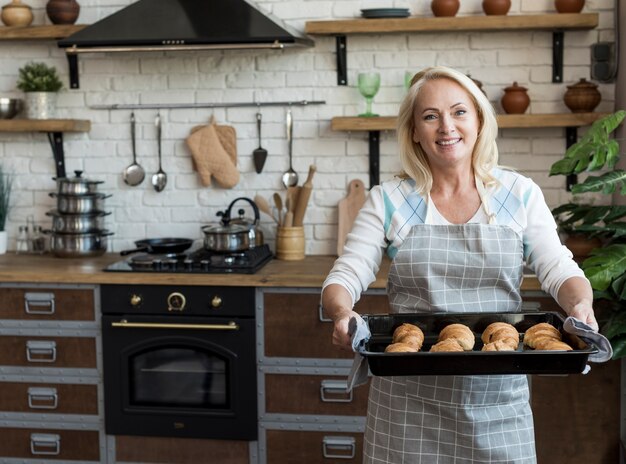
point(259, 155)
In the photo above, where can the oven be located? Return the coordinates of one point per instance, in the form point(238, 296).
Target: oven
point(179, 361)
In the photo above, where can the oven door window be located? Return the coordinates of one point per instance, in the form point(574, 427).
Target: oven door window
point(178, 377)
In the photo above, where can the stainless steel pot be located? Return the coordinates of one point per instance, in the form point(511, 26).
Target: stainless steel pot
point(76, 185)
point(79, 245)
point(77, 223)
point(80, 204)
point(226, 239)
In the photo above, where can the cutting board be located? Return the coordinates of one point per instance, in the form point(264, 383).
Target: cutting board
point(348, 209)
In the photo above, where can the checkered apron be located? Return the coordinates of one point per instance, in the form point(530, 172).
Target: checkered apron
point(453, 419)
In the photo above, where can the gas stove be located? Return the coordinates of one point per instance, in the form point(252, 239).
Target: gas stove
point(199, 261)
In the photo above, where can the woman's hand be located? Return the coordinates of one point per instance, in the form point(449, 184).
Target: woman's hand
point(341, 337)
point(583, 311)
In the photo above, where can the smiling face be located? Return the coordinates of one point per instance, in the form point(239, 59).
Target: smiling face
point(446, 124)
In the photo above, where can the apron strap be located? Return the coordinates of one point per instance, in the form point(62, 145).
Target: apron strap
point(484, 200)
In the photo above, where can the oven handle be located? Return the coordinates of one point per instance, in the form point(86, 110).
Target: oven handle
point(155, 325)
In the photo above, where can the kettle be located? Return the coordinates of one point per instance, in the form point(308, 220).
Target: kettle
point(254, 231)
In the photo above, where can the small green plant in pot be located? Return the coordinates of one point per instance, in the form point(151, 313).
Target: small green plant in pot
point(40, 83)
point(6, 185)
point(606, 265)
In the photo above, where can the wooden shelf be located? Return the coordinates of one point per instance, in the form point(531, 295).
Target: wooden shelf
point(458, 23)
point(505, 121)
point(44, 125)
point(47, 32)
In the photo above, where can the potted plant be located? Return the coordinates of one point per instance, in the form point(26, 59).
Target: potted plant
point(40, 83)
point(6, 185)
point(606, 265)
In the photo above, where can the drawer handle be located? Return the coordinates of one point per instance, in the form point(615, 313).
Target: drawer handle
point(41, 351)
point(39, 303)
point(331, 389)
point(323, 318)
point(339, 447)
point(47, 444)
point(42, 398)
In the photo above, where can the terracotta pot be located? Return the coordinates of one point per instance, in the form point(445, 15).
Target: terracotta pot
point(496, 7)
point(62, 11)
point(16, 14)
point(569, 6)
point(515, 99)
point(445, 7)
point(581, 245)
point(582, 97)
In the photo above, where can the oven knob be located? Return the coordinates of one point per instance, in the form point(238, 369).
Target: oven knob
point(176, 302)
point(136, 300)
point(216, 302)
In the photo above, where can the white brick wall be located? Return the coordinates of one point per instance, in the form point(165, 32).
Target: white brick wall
point(497, 59)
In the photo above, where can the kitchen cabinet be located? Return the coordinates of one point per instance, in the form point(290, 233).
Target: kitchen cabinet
point(50, 381)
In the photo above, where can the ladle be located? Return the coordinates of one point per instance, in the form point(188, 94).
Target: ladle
point(290, 177)
point(159, 180)
point(134, 174)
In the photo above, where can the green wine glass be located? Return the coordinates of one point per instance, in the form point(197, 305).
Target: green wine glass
point(368, 84)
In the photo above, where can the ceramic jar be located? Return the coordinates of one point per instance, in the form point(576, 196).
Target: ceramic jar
point(16, 14)
point(582, 97)
point(515, 99)
point(569, 6)
point(496, 7)
point(445, 7)
point(62, 11)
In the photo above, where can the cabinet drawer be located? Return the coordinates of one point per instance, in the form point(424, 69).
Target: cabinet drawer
point(47, 304)
point(48, 398)
point(41, 352)
point(50, 444)
point(293, 328)
point(313, 394)
point(180, 450)
point(287, 447)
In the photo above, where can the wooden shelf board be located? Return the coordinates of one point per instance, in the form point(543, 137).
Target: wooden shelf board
point(44, 125)
point(50, 32)
point(505, 121)
point(458, 23)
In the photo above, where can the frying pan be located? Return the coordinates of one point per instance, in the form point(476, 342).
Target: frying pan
point(160, 245)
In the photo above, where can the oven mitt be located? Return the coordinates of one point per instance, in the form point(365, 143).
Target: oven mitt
point(360, 334)
point(588, 335)
point(211, 158)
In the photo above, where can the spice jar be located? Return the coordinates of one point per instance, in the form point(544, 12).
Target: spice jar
point(515, 99)
point(582, 97)
point(445, 7)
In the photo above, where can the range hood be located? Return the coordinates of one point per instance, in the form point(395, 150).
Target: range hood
point(174, 25)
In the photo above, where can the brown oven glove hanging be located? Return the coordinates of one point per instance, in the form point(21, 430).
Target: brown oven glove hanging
point(214, 153)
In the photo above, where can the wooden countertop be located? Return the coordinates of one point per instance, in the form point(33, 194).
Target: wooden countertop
point(310, 272)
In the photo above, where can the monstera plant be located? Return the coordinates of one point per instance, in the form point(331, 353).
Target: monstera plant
point(605, 268)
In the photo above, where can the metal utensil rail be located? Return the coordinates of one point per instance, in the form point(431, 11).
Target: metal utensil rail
point(168, 106)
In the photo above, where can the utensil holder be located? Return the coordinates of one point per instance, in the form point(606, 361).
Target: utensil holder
point(290, 243)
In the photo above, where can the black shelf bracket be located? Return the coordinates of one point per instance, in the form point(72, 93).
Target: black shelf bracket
point(72, 61)
point(56, 142)
point(341, 43)
point(571, 136)
point(374, 156)
point(558, 38)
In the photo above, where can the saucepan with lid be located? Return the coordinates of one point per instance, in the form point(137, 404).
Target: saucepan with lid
point(77, 223)
point(81, 245)
point(76, 185)
point(79, 204)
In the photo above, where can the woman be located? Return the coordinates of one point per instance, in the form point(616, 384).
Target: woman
point(458, 229)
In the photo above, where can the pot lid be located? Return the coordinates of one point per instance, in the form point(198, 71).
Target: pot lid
point(583, 84)
point(229, 229)
point(515, 87)
point(78, 179)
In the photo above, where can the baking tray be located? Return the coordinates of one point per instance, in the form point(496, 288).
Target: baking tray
point(522, 361)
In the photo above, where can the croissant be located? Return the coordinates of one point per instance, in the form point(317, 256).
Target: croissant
point(500, 331)
point(448, 344)
point(501, 345)
point(540, 331)
point(461, 333)
point(409, 334)
point(550, 344)
point(400, 347)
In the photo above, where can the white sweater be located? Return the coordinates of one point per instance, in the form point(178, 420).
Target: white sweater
point(393, 207)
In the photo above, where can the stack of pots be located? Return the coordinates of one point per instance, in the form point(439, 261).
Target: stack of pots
point(78, 222)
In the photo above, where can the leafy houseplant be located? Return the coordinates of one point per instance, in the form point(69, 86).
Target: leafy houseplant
point(606, 266)
point(40, 83)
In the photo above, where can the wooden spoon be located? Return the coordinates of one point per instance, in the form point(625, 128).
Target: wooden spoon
point(264, 206)
point(278, 202)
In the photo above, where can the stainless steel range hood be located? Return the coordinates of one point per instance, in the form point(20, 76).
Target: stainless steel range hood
point(175, 25)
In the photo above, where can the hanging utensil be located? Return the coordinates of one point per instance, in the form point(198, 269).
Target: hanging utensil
point(134, 174)
point(290, 177)
point(159, 180)
point(260, 154)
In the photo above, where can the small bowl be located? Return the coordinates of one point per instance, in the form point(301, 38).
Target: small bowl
point(10, 107)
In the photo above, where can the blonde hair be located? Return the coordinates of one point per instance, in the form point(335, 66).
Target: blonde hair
point(414, 160)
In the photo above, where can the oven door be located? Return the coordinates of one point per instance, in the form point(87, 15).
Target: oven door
point(180, 377)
